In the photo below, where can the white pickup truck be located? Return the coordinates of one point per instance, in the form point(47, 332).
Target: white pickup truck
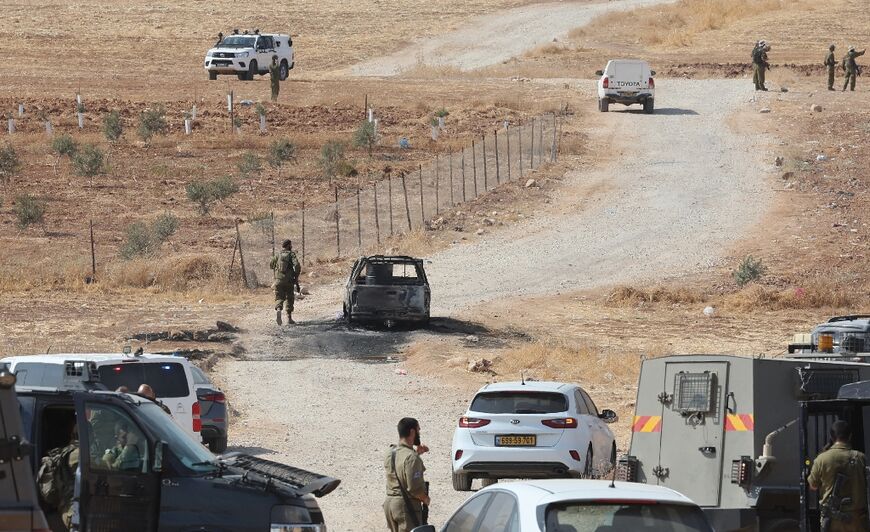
point(627, 82)
point(250, 54)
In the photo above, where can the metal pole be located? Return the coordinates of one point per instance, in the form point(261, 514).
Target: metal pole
point(450, 165)
point(485, 178)
point(390, 201)
point(520, 139)
point(463, 176)
point(422, 213)
point(437, 183)
point(272, 225)
point(233, 260)
point(93, 254)
point(532, 150)
point(474, 166)
point(541, 142)
point(553, 152)
point(358, 221)
point(337, 227)
point(508, 136)
point(242, 256)
point(377, 216)
point(497, 171)
point(407, 206)
point(303, 231)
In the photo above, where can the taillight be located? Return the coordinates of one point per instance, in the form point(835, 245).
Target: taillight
point(458, 455)
point(561, 423)
point(197, 422)
point(574, 454)
point(652, 83)
point(606, 83)
point(472, 422)
point(214, 397)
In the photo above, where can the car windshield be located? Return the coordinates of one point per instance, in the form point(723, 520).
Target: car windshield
point(238, 41)
point(584, 516)
point(193, 455)
point(167, 379)
point(519, 403)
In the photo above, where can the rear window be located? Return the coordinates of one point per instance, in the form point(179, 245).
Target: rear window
point(519, 403)
point(590, 517)
point(166, 378)
point(39, 374)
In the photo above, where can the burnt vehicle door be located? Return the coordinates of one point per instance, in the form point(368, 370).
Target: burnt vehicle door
point(120, 485)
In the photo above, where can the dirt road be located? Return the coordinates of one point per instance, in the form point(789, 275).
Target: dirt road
point(493, 38)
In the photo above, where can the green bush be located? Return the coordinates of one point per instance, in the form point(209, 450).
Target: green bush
point(750, 269)
point(163, 227)
point(152, 122)
point(9, 163)
point(261, 109)
point(223, 187)
point(364, 136)
point(205, 193)
point(89, 161)
point(137, 242)
point(64, 145)
point(28, 210)
point(441, 113)
point(250, 165)
point(280, 151)
point(113, 128)
point(331, 158)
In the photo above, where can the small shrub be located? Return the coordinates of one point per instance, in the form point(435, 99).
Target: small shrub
point(346, 169)
point(9, 163)
point(250, 165)
point(280, 151)
point(137, 242)
point(163, 227)
point(365, 136)
point(80, 107)
point(442, 113)
point(261, 109)
point(64, 145)
point(237, 122)
point(750, 269)
point(112, 126)
point(205, 193)
point(223, 187)
point(152, 122)
point(28, 210)
point(331, 157)
point(89, 161)
point(262, 221)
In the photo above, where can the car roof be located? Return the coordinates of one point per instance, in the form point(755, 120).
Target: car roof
point(625, 61)
point(554, 490)
point(60, 358)
point(528, 386)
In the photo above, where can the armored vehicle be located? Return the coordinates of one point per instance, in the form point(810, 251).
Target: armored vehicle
point(723, 430)
point(387, 289)
point(841, 337)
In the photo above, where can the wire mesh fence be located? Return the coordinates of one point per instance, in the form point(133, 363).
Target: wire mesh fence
point(360, 219)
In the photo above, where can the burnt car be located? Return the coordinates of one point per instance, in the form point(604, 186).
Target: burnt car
point(387, 289)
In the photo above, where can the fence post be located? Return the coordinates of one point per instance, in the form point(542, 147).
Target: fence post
point(559, 142)
point(407, 206)
point(450, 165)
point(497, 170)
point(485, 177)
point(390, 201)
point(520, 140)
point(303, 231)
point(474, 166)
point(93, 255)
point(553, 150)
point(422, 213)
point(233, 260)
point(241, 256)
point(541, 142)
point(508, 135)
point(337, 226)
point(532, 150)
point(437, 183)
point(272, 225)
point(358, 221)
point(463, 175)
point(377, 216)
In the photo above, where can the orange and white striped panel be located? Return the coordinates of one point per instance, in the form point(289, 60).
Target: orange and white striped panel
point(739, 423)
point(647, 424)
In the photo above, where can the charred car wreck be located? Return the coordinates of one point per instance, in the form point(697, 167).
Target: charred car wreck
point(387, 289)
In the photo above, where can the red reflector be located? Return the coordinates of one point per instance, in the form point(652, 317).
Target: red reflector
point(606, 83)
point(214, 397)
point(117, 368)
point(472, 422)
point(561, 423)
point(574, 454)
point(197, 422)
point(458, 455)
point(652, 83)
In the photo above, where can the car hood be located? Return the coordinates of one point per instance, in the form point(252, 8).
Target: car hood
point(281, 478)
point(229, 50)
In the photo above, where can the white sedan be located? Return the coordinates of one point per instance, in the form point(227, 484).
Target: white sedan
point(575, 506)
point(531, 430)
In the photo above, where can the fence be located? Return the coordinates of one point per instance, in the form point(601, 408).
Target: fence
point(360, 219)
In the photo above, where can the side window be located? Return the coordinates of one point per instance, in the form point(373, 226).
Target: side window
point(500, 515)
point(116, 443)
point(582, 408)
point(198, 376)
point(593, 410)
point(468, 514)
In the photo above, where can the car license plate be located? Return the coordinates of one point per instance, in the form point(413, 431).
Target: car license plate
point(516, 441)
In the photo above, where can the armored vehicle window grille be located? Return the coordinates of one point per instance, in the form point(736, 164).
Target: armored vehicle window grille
point(693, 392)
point(824, 383)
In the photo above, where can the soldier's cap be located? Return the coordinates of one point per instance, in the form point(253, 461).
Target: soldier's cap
point(833, 46)
point(851, 48)
point(286, 244)
point(274, 58)
point(762, 42)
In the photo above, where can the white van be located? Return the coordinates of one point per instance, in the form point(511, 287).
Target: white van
point(626, 81)
point(169, 376)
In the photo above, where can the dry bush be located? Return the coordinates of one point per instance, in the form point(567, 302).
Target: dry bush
point(173, 274)
point(817, 295)
point(630, 296)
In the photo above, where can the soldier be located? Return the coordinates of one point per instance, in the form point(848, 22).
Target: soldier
point(287, 270)
point(406, 488)
point(275, 75)
point(851, 67)
point(755, 70)
point(220, 38)
point(147, 391)
point(831, 63)
point(839, 460)
point(760, 65)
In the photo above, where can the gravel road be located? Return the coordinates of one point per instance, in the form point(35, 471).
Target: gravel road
point(491, 39)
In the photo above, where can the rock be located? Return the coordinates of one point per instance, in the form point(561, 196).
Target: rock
point(479, 232)
point(816, 108)
point(530, 183)
point(821, 157)
point(778, 161)
point(472, 338)
point(480, 366)
point(401, 371)
point(709, 312)
point(222, 337)
point(764, 110)
point(305, 291)
point(787, 175)
point(783, 89)
point(223, 326)
point(488, 221)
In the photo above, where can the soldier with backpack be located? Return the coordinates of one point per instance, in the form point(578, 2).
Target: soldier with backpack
point(851, 67)
point(57, 477)
point(760, 64)
point(838, 475)
point(287, 269)
point(831, 65)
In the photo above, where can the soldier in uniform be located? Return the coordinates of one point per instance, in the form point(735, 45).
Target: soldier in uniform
point(760, 65)
point(406, 488)
point(755, 70)
point(275, 77)
point(839, 458)
point(831, 63)
point(851, 67)
point(287, 270)
point(220, 38)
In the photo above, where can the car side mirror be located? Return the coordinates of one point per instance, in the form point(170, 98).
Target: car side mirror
point(159, 452)
point(599, 72)
point(608, 416)
point(652, 72)
point(424, 528)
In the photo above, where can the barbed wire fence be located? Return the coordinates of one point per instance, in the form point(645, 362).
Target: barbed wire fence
point(360, 219)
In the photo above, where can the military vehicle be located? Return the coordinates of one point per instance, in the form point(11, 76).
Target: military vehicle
point(723, 430)
point(387, 289)
point(841, 337)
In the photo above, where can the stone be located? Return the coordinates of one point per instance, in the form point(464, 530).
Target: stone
point(764, 110)
point(530, 183)
point(479, 232)
point(226, 327)
point(816, 108)
point(778, 161)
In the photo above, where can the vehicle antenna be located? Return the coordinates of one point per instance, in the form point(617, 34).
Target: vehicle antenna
point(522, 378)
point(613, 476)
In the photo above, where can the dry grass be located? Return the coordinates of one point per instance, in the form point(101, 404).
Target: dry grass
point(631, 296)
point(818, 295)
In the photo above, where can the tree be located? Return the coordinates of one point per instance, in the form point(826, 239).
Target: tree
point(205, 193)
point(250, 165)
point(9, 163)
point(365, 136)
point(113, 128)
point(89, 161)
point(331, 158)
point(28, 210)
point(152, 122)
point(280, 151)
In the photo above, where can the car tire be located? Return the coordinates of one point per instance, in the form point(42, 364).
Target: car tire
point(243, 76)
point(649, 106)
point(603, 105)
point(212, 76)
point(293, 64)
point(217, 445)
point(252, 70)
point(461, 482)
point(485, 482)
point(284, 70)
point(588, 469)
point(780, 525)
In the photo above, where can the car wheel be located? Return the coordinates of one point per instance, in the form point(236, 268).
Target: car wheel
point(781, 525)
point(284, 71)
point(484, 482)
point(603, 105)
point(217, 445)
point(252, 70)
point(212, 76)
point(648, 106)
point(243, 76)
point(461, 482)
point(587, 466)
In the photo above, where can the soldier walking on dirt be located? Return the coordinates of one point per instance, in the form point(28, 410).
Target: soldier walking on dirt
point(838, 474)
point(760, 65)
point(831, 64)
point(851, 67)
point(275, 77)
point(287, 270)
point(406, 506)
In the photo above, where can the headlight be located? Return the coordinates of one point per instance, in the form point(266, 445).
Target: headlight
point(287, 518)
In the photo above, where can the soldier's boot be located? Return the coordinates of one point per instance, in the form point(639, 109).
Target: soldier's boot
point(290, 319)
point(278, 315)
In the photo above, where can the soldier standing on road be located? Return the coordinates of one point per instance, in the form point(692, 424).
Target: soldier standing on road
point(831, 63)
point(760, 65)
point(275, 75)
point(851, 67)
point(755, 70)
point(287, 270)
point(406, 488)
point(840, 460)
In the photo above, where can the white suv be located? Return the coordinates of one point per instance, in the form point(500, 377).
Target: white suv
point(626, 81)
point(531, 430)
point(250, 54)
